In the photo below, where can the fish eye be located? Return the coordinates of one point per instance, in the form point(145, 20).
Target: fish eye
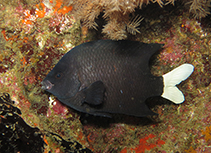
point(58, 75)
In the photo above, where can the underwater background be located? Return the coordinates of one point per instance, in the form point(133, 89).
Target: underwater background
point(36, 33)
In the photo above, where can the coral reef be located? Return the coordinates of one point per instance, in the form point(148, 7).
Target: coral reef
point(199, 8)
point(116, 14)
point(17, 136)
point(120, 14)
point(34, 36)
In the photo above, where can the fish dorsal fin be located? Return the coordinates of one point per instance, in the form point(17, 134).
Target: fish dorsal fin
point(94, 94)
point(140, 47)
point(133, 48)
point(125, 48)
point(150, 49)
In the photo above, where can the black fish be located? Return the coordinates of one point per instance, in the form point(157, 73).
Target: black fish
point(105, 76)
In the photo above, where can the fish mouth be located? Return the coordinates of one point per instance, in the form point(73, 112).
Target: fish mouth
point(46, 85)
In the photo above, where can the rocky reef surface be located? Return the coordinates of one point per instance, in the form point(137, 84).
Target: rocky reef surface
point(34, 36)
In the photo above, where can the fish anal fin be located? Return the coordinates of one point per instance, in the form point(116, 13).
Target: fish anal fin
point(103, 114)
point(94, 94)
point(138, 109)
point(145, 111)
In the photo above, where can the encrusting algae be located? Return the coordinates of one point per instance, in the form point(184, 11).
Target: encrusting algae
point(207, 133)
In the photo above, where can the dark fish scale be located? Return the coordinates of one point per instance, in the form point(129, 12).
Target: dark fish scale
point(122, 67)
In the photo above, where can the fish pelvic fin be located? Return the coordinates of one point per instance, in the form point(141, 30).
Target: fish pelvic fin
point(174, 77)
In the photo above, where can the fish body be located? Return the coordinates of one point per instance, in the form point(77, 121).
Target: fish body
point(105, 77)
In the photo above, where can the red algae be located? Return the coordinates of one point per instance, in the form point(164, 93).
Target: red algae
point(65, 9)
point(124, 150)
point(42, 10)
point(144, 145)
point(40, 13)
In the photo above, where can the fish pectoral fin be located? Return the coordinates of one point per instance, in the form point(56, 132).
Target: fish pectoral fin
point(95, 93)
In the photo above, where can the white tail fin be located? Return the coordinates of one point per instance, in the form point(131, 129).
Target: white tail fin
point(174, 77)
